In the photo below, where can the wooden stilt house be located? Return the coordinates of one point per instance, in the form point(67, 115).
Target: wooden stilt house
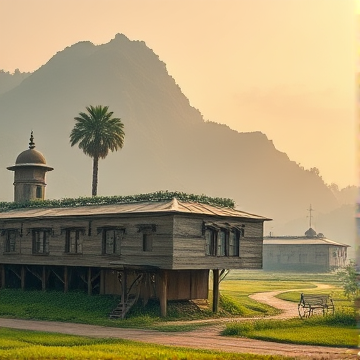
point(159, 247)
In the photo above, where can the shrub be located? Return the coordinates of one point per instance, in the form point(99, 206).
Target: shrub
point(109, 200)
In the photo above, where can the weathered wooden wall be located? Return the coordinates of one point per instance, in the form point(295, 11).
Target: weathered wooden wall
point(131, 246)
point(188, 284)
point(189, 245)
point(176, 258)
point(337, 256)
point(178, 242)
point(303, 257)
point(181, 284)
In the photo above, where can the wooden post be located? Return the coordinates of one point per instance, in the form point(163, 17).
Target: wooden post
point(124, 288)
point(2, 276)
point(89, 281)
point(215, 290)
point(22, 277)
point(123, 293)
point(102, 282)
point(66, 279)
point(163, 293)
point(43, 278)
point(145, 290)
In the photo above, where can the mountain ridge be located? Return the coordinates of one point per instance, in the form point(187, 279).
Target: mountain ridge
point(168, 145)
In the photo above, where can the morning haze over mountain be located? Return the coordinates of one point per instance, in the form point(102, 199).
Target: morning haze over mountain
point(168, 145)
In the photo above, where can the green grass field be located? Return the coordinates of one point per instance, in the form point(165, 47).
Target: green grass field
point(80, 308)
point(339, 330)
point(24, 345)
point(260, 275)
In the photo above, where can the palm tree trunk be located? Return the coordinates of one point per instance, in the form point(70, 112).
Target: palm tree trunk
point(95, 175)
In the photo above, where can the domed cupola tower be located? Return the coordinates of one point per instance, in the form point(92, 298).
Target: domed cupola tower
point(29, 178)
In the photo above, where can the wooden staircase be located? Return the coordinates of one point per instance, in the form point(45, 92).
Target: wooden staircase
point(128, 299)
point(123, 308)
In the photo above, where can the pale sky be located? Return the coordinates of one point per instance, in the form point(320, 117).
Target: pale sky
point(283, 67)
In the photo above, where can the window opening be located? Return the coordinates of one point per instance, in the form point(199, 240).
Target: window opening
point(222, 241)
point(147, 242)
point(210, 242)
point(112, 241)
point(10, 242)
point(41, 241)
point(38, 192)
point(234, 243)
point(73, 241)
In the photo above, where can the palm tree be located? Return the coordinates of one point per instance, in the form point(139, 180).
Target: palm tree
point(97, 132)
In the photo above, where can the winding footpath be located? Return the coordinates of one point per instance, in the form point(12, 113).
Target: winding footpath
point(204, 338)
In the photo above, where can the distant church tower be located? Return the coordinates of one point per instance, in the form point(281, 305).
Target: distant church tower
point(29, 178)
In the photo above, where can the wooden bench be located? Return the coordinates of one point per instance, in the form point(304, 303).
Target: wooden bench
point(318, 303)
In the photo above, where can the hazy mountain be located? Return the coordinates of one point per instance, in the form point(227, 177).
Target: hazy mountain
point(8, 81)
point(168, 145)
point(347, 195)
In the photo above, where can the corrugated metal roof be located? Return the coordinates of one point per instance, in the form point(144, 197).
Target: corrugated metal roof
point(170, 206)
point(300, 240)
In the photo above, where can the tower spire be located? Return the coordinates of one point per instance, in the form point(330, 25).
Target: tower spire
point(31, 143)
point(310, 210)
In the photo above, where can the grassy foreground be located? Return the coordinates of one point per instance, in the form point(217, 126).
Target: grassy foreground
point(339, 330)
point(21, 345)
point(78, 307)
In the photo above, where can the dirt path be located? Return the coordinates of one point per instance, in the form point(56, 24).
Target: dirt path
point(203, 338)
point(289, 309)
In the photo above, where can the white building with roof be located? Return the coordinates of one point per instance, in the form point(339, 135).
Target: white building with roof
point(311, 253)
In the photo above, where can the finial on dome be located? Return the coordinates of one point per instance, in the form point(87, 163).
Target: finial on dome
point(31, 143)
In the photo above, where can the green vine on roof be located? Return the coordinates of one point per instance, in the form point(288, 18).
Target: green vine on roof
point(110, 200)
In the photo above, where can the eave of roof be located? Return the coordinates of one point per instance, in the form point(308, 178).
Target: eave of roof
point(170, 206)
point(301, 240)
point(26, 165)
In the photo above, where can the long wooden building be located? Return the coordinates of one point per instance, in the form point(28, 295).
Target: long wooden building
point(309, 253)
point(139, 250)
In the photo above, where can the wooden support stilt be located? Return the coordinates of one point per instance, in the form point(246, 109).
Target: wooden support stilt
point(23, 273)
point(43, 278)
point(163, 293)
point(66, 279)
point(215, 290)
point(124, 288)
point(3, 276)
point(89, 284)
point(102, 282)
point(146, 289)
